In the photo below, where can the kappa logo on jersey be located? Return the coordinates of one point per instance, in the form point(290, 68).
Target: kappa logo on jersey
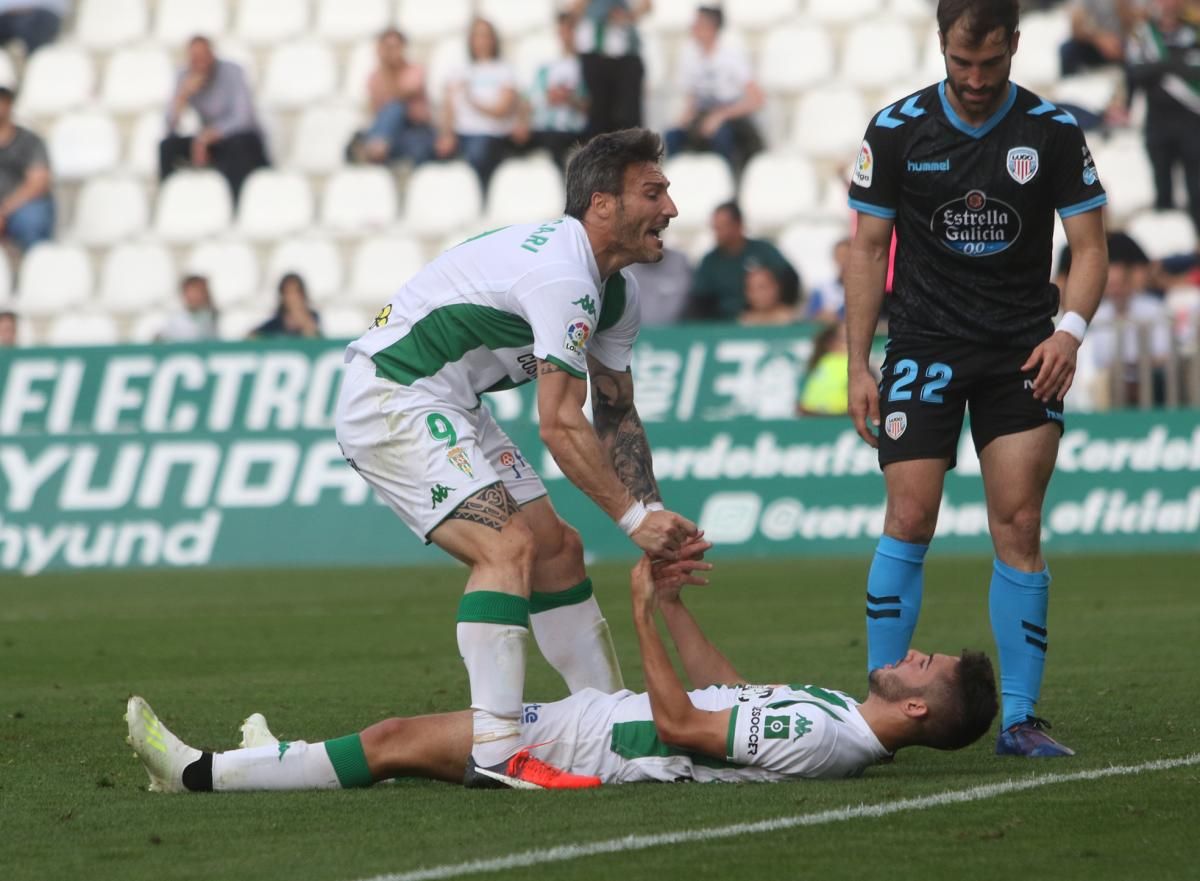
point(1022, 164)
point(864, 167)
point(895, 425)
point(587, 304)
point(1090, 175)
point(777, 728)
point(578, 333)
point(976, 224)
point(802, 727)
point(458, 458)
point(440, 493)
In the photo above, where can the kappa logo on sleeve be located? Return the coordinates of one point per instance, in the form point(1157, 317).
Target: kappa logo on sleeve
point(864, 166)
point(579, 332)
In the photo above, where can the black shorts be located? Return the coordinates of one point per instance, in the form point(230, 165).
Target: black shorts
point(927, 385)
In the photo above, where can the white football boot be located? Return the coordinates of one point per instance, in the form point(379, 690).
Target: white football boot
point(256, 733)
point(163, 755)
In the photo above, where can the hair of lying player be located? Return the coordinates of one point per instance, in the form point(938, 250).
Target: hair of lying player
point(967, 706)
point(599, 166)
point(980, 17)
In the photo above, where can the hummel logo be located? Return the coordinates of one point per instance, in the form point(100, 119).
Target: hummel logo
point(587, 304)
point(440, 493)
point(283, 747)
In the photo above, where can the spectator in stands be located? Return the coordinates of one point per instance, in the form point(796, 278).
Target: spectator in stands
point(610, 54)
point(1098, 31)
point(479, 113)
point(555, 110)
point(764, 300)
point(718, 288)
point(827, 301)
point(670, 281)
point(197, 320)
point(26, 202)
point(403, 124)
point(1164, 56)
point(295, 316)
point(826, 389)
point(230, 140)
point(1130, 324)
point(8, 329)
point(33, 23)
point(721, 95)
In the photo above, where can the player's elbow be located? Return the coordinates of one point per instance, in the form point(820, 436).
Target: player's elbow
point(674, 728)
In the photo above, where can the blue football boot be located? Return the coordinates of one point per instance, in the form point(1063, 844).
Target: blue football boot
point(1029, 739)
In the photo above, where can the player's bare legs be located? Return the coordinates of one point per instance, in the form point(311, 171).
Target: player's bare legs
point(570, 630)
point(896, 581)
point(434, 746)
point(1016, 471)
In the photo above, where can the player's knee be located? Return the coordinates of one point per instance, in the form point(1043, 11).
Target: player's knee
point(1023, 527)
point(911, 522)
point(520, 546)
point(570, 544)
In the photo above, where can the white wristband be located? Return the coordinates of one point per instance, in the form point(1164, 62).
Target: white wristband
point(633, 517)
point(1073, 323)
point(655, 506)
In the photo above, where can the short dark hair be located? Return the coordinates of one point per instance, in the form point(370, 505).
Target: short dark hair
point(8, 314)
point(7, 92)
point(599, 166)
point(715, 13)
point(732, 208)
point(967, 705)
point(189, 280)
point(981, 17)
point(297, 278)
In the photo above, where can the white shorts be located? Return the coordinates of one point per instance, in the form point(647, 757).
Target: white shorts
point(424, 457)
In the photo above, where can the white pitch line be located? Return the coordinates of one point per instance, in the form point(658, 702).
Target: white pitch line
point(566, 852)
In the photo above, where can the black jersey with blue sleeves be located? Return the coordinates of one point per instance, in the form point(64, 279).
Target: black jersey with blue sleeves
point(974, 211)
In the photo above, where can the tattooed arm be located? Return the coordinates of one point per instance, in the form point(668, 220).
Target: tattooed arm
point(620, 430)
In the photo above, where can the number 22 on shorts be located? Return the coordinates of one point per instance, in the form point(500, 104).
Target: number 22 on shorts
point(906, 371)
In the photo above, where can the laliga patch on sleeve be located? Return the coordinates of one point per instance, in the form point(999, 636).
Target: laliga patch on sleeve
point(864, 166)
point(579, 331)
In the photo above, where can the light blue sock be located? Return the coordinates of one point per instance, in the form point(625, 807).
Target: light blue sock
point(894, 588)
point(1017, 603)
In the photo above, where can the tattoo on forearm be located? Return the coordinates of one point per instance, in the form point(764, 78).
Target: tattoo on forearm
point(492, 506)
point(621, 432)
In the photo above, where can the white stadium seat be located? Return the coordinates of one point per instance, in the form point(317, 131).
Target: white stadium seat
point(142, 154)
point(193, 205)
point(107, 24)
point(110, 210)
point(299, 74)
point(515, 17)
point(761, 14)
point(138, 78)
point(1092, 91)
point(146, 326)
point(1036, 64)
point(361, 62)
point(344, 322)
point(359, 199)
point(381, 265)
point(841, 12)
point(267, 22)
point(344, 20)
point(809, 247)
point(447, 57)
point(795, 58)
point(320, 137)
point(878, 52)
point(1126, 175)
point(699, 183)
point(422, 20)
point(237, 324)
point(58, 78)
point(442, 197)
point(83, 328)
point(6, 282)
point(532, 51)
point(920, 12)
point(829, 123)
point(177, 21)
point(274, 204)
point(670, 16)
point(525, 190)
point(933, 64)
point(231, 268)
point(83, 144)
point(8, 71)
point(137, 277)
point(54, 277)
point(778, 188)
point(1163, 233)
point(314, 259)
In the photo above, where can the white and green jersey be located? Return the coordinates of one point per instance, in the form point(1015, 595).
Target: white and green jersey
point(776, 732)
point(477, 318)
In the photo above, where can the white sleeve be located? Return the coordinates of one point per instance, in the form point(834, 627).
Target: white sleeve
point(613, 344)
point(562, 313)
point(792, 740)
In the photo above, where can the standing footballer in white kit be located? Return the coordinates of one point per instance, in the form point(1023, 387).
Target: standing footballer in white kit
point(547, 301)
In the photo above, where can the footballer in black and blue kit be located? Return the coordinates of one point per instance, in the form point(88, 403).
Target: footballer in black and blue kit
point(969, 173)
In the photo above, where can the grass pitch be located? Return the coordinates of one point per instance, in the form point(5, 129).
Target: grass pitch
point(325, 653)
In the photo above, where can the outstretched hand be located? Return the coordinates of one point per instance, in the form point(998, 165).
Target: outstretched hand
point(659, 581)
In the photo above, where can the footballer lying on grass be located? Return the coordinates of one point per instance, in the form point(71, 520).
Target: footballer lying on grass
point(735, 732)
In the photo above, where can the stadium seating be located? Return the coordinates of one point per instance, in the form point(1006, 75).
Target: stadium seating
point(193, 204)
point(360, 63)
point(842, 12)
point(83, 328)
point(795, 57)
point(778, 188)
point(58, 78)
point(515, 17)
point(176, 21)
point(878, 52)
point(532, 51)
point(138, 78)
point(1126, 175)
point(298, 75)
point(359, 199)
point(670, 16)
point(316, 259)
point(231, 267)
point(1163, 233)
point(809, 246)
point(141, 155)
point(274, 204)
point(54, 277)
point(422, 20)
point(106, 24)
point(381, 264)
point(8, 71)
point(346, 20)
point(524, 190)
point(344, 322)
point(320, 137)
point(6, 281)
point(699, 183)
point(110, 210)
point(442, 198)
point(137, 277)
point(761, 14)
point(1036, 65)
point(829, 123)
point(237, 324)
point(267, 22)
point(83, 145)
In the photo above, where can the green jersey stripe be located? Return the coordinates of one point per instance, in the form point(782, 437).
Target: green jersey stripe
point(613, 305)
point(563, 365)
point(445, 335)
point(639, 740)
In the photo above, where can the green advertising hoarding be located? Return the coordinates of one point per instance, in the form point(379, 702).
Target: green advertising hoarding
point(224, 455)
